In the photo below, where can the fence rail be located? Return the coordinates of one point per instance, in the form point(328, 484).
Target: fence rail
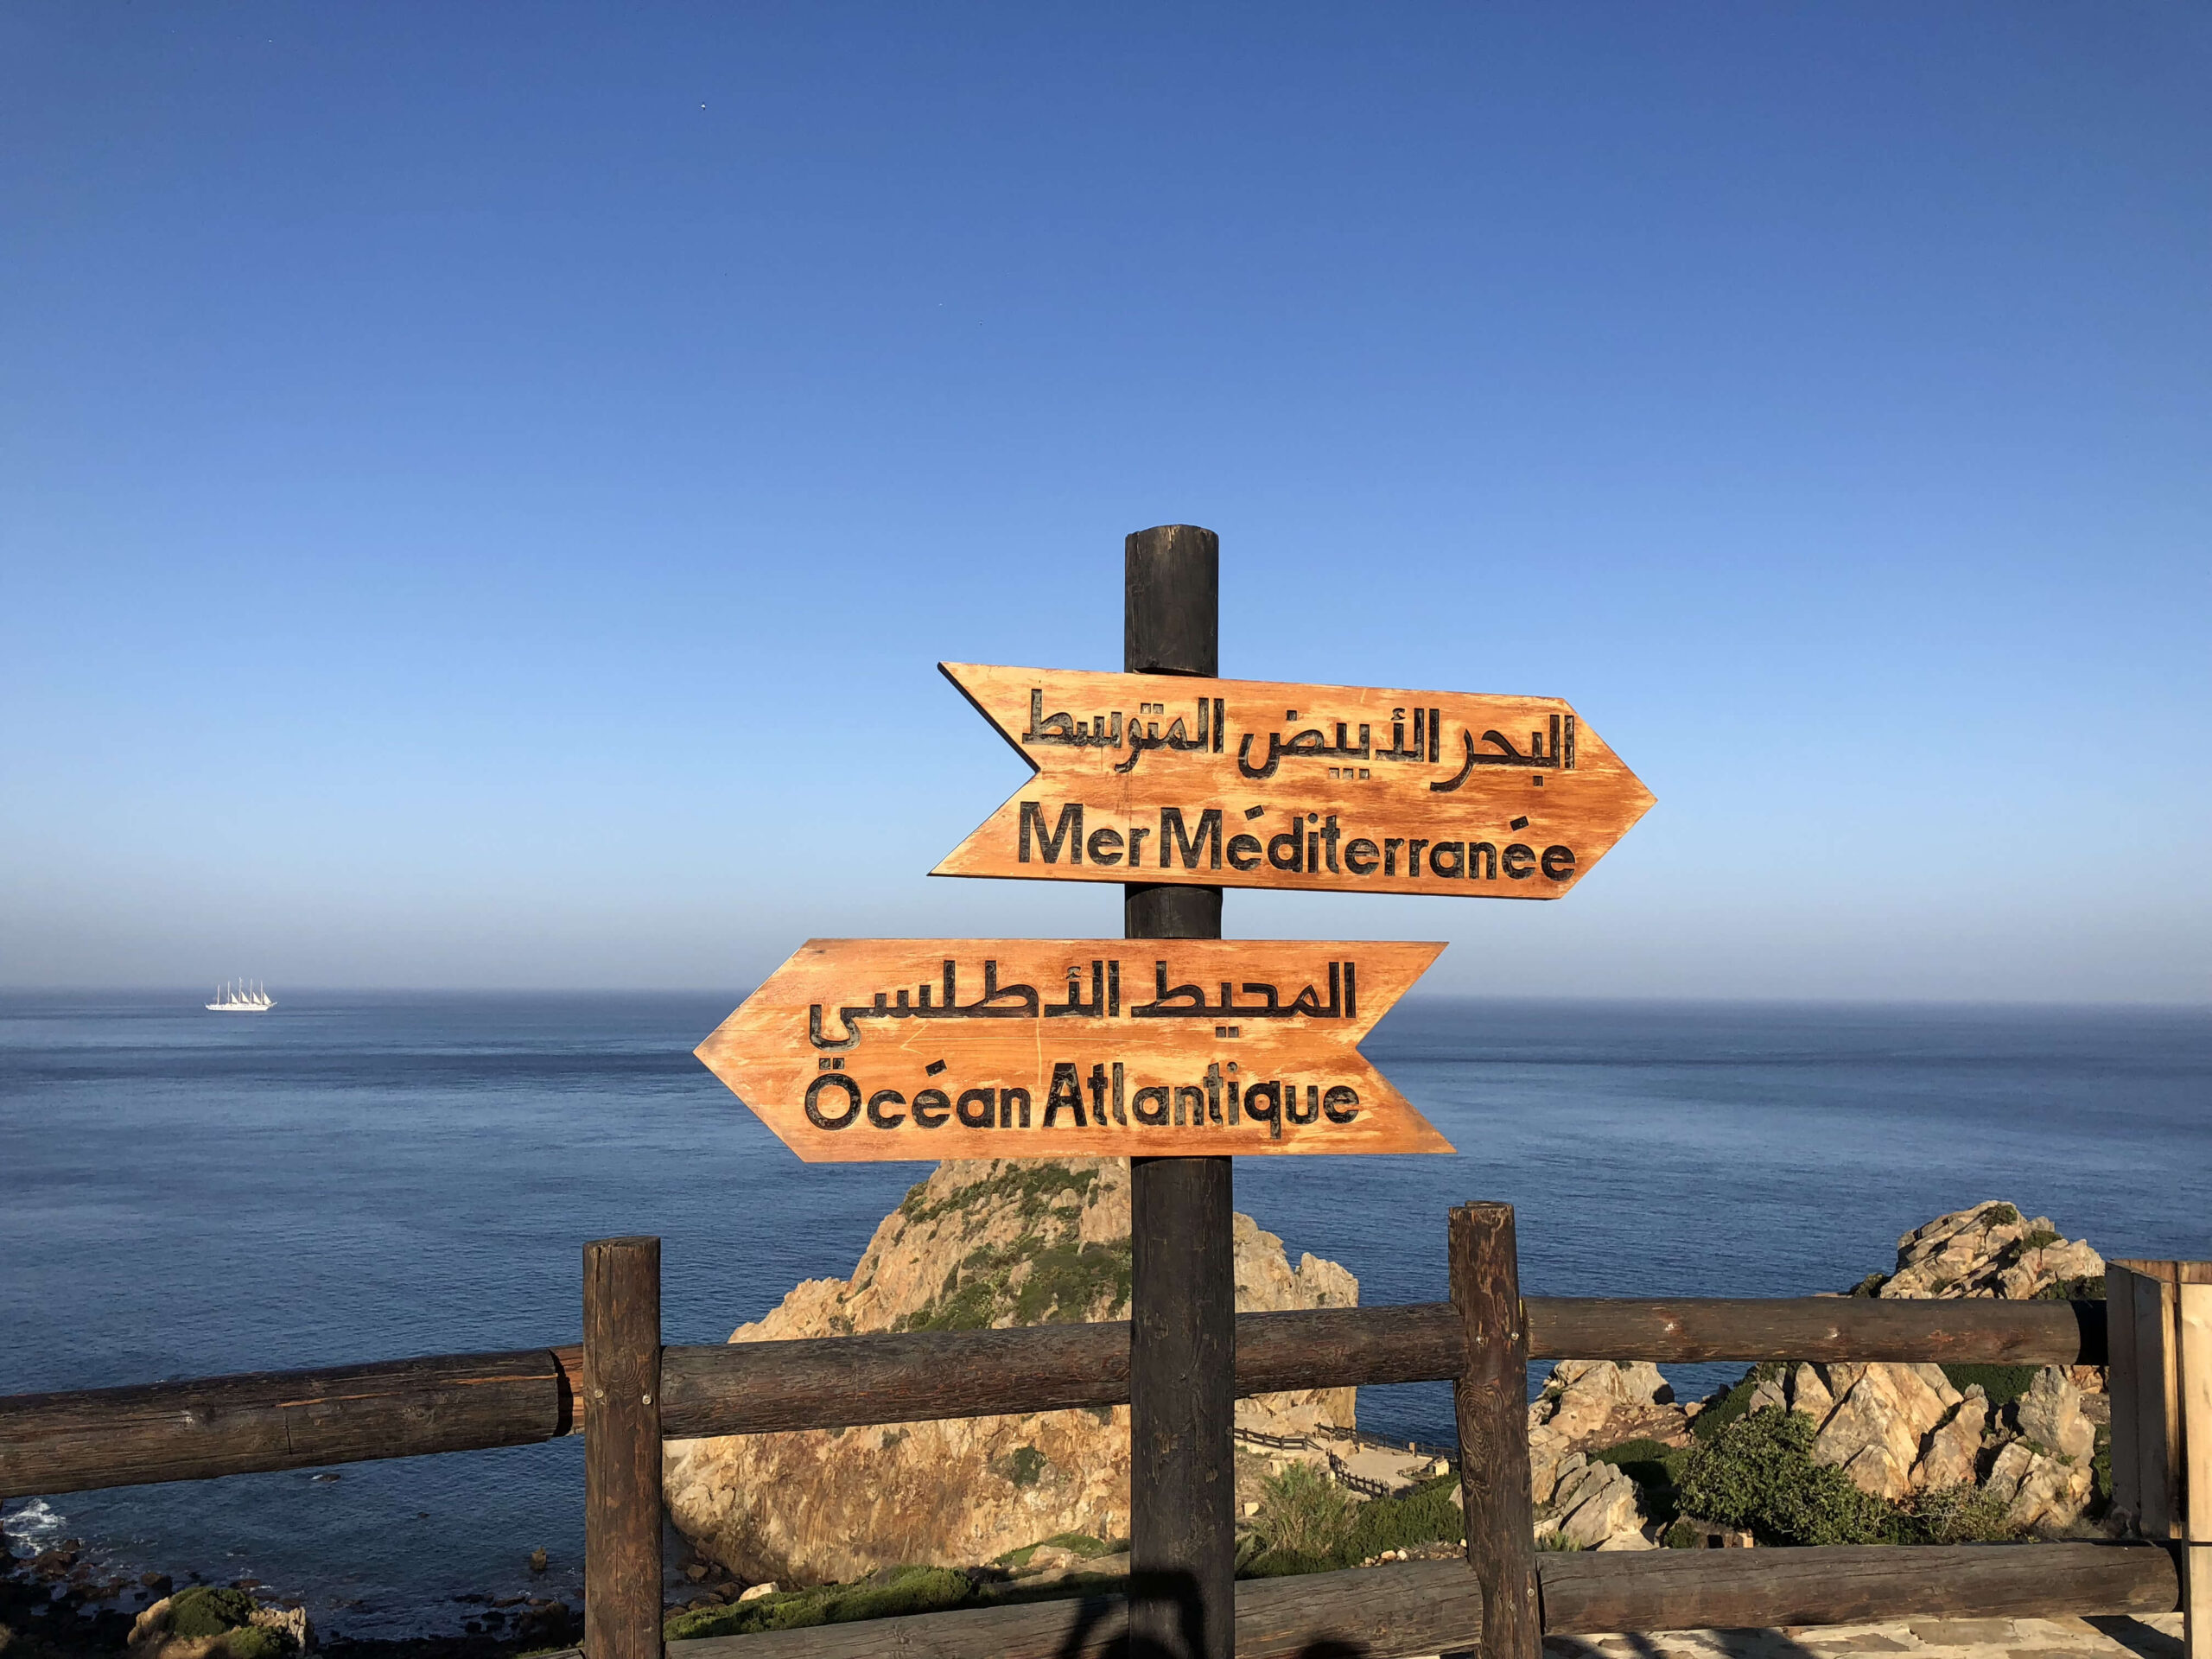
point(1481, 1342)
point(198, 1430)
point(1427, 1607)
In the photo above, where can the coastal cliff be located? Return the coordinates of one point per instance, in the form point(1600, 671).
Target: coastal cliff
point(978, 1245)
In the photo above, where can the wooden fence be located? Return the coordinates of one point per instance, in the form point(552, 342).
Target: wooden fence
point(626, 1392)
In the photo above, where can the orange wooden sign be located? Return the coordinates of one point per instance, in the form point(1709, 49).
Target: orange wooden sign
point(874, 1049)
point(1251, 784)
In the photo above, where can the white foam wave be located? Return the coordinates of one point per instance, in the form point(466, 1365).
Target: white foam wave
point(33, 1523)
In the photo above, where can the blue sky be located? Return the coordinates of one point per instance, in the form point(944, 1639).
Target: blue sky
point(483, 489)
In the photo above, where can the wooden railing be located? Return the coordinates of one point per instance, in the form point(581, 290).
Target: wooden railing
point(61, 1442)
point(197, 1430)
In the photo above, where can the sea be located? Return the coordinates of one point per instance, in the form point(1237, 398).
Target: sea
point(352, 1177)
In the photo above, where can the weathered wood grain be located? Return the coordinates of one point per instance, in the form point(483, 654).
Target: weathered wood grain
point(1448, 811)
point(62, 1442)
point(1674, 1589)
point(1424, 1607)
point(622, 1449)
point(2125, 1393)
point(2193, 1380)
point(1817, 1328)
point(2158, 1439)
point(1170, 1048)
point(1182, 1395)
point(1490, 1400)
point(1182, 1259)
point(77, 1441)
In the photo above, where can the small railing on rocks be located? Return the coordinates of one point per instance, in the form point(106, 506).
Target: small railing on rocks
point(627, 1392)
point(1342, 1472)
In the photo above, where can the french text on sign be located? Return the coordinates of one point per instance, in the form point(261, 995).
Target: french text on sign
point(890, 1049)
point(1250, 782)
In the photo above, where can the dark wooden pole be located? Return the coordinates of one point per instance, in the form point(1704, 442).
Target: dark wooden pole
point(1492, 1401)
point(622, 1497)
point(1183, 1289)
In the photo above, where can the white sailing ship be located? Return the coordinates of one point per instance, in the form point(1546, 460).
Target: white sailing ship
point(241, 996)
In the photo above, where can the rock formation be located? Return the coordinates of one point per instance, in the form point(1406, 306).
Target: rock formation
point(978, 1245)
point(1897, 1430)
point(1990, 1251)
point(1588, 1405)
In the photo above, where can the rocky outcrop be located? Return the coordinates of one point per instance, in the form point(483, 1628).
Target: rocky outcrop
point(1588, 1405)
point(1988, 1251)
point(203, 1622)
point(1897, 1430)
point(978, 1245)
point(1594, 1506)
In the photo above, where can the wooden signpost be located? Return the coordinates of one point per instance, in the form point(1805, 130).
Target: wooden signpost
point(863, 1049)
point(1250, 784)
point(1175, 1048)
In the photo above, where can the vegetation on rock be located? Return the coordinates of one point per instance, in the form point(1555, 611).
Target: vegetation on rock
point(1307, 1523)
point(1656, 1468)
point(1734, 1404)
point(887, 1594)
point(1759, 1474)
point(2003, 1384)
point(205, 1611)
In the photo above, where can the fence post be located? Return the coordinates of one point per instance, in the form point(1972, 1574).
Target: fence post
point(2194, 1395)
point(1492, 1401)
point(1183, 1285)
point(2143, 1387)
point(622, 1496)
point(2122, 1389)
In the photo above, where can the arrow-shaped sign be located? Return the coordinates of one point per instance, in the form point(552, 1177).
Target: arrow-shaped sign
point(1252, 784)
point(869, 1049)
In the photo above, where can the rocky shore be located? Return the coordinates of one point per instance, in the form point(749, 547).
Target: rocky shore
point(58, 1604)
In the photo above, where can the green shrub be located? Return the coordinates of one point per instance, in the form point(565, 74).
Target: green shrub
point(1682, 1535)
point(249, 1642)
point(1738, 1401)
point(1023, 1466)
point(1423, 1514)
point(1067, 1281)
point(1304, 1513)
point(1758, 1473)
point(2037, 1239)
point(2082, 1287)
point(1870, 1286)
point(1556, 1540)
point(1080, 1542)
point(1956, 1515)
point(2001, 1215)
point(890, 1594)
point(2002, 1384)
point(2100, 1469)
point(205, 1611)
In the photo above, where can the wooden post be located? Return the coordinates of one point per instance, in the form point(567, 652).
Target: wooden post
point(2152, 1402)
point(2193, 1291)
point(1183, 1288)
point(622, 1499)
point(1492, 1401)
point(2122, 1390)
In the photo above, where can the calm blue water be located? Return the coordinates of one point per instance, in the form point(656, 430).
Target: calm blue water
point(354, 1177)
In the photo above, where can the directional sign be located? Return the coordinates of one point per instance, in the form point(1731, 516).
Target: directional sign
point(867, 1049)
point(1250, 784)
